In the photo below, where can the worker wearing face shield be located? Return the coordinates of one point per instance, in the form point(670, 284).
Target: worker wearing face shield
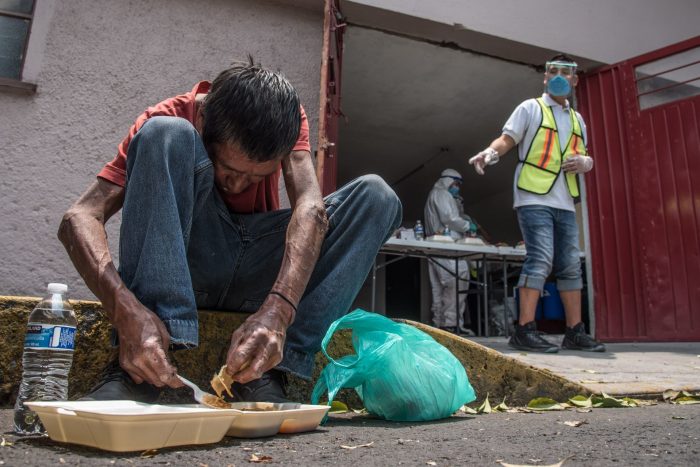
point(552, 154)
point(444, 217)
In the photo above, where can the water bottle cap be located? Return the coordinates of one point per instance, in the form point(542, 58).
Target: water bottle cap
point(55, 287)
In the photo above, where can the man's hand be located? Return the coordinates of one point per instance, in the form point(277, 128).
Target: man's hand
point(257, 345)
point(577, 164)
point(143, 341)
point(488, 156)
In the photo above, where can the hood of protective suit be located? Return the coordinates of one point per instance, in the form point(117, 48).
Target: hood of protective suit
point(447, 177)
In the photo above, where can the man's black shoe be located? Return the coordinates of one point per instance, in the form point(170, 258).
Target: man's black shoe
point(577, 339)
point(116, 384)
point(526, 337)
point(271, 387)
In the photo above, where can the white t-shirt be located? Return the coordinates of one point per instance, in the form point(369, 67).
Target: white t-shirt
point(522, 127)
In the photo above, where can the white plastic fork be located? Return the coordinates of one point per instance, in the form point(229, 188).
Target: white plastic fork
point(198, 393)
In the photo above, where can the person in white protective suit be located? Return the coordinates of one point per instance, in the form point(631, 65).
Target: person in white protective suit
point(442, 210)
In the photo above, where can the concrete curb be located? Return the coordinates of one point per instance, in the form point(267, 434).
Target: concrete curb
point(489, 371)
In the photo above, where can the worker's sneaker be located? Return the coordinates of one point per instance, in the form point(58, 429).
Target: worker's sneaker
point(116, 384)
point(577, 339)
point(464, 331)
point(271, 387)
point(527, 337)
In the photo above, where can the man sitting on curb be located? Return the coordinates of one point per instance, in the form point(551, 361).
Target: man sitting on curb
point(197, 181)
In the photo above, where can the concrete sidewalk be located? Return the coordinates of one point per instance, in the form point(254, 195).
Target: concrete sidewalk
point(632, 369)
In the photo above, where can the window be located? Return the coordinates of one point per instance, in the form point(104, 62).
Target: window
point(668, 79)
point(15, 23)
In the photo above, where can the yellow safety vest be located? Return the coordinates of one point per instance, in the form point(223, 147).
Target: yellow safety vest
point(542, 165)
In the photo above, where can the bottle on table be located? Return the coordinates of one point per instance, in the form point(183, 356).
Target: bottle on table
point(47, 358)
point(418, 230)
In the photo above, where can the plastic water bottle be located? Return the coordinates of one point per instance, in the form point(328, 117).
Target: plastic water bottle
point(48, 355)
point(447, 232)
point(418, 230)
point(472, 230)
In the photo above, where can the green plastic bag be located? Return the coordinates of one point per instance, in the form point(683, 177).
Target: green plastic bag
point(399, 372)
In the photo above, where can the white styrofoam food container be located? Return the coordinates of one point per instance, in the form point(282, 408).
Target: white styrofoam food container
point(259, 419)
point(132, 426)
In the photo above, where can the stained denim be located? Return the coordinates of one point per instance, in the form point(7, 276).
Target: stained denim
point(181, 249)
point(551, 240)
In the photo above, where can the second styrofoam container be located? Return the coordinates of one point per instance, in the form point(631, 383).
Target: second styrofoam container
point(260, 419)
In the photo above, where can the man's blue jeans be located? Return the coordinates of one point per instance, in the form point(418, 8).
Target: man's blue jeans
point(181, 249)
point(551, 239)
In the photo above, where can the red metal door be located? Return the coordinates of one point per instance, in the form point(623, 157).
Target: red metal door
point(329, 112)
point(643, 120)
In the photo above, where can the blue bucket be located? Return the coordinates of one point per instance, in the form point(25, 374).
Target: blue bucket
point(552, 306)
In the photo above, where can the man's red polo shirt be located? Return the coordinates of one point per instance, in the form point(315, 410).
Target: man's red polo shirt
point(258, 197)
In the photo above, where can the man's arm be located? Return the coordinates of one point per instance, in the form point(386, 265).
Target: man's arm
point(498, 147)
point(502, 144)
point(143, 338)
point(256, 346)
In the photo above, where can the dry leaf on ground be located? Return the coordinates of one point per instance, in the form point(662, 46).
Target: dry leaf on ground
point(485, 406)
point(575, 423)
point(338, 407)
point(670, 394)
point(342, 446)
point(260, 459)
point(149, 453)
point(558, 464)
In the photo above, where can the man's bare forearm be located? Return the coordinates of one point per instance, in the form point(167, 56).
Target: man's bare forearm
point(502, 144)
point(305, 234)
point(82, 232)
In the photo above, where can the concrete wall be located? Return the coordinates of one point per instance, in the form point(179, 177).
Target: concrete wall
point(600, 30)
point(98, 64)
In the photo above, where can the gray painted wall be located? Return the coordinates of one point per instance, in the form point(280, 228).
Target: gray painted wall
point(98, 64)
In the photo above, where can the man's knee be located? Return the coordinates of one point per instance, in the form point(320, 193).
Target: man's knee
point(161, 138)
point(382, 196)
point(162, 128)
point(569, 270)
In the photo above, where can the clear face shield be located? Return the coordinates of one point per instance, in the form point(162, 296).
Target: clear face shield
point(559, 77)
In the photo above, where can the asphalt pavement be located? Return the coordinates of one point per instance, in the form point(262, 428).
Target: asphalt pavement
point(662, 434)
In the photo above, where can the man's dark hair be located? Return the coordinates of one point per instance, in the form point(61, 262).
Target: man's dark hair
point(254, 108)
point(561, 58)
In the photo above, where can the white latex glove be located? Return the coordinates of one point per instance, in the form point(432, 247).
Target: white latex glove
point(488, 156)
point(577, 164)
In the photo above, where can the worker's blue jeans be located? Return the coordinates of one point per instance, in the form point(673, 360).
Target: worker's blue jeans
point(551, 240)
point(181, 249)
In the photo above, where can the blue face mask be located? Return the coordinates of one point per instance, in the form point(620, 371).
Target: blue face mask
point(454, 191)
point(558, 86)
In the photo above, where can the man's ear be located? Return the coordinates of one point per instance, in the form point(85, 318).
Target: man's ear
point(574, 82)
